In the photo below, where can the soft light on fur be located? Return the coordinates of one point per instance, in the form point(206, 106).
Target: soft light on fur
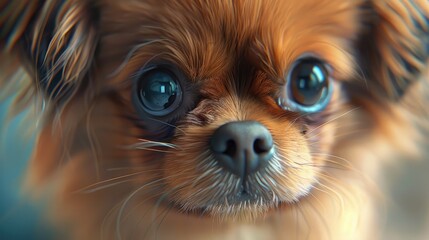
point(109, 174)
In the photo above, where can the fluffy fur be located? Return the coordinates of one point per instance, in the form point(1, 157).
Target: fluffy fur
point(107, 173)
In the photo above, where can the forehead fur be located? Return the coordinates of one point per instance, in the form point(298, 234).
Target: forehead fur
point(208, 38)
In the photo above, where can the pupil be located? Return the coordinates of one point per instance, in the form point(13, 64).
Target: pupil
point(159, 92)
point(309, 83)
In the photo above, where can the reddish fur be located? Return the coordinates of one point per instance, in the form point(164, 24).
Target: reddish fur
point(236, 55)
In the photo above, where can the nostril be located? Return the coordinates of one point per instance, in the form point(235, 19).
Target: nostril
point(231, 148)
point(260, 146)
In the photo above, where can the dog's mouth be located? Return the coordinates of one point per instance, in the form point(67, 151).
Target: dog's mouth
point(245, 204)
point(244, 207)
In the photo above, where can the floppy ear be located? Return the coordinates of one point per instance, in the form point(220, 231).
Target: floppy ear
point(394, 48)
point(56, 38)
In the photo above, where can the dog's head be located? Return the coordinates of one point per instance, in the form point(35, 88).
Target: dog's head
point(226, 108)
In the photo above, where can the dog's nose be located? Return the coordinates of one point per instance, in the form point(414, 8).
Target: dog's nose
point(242, 147)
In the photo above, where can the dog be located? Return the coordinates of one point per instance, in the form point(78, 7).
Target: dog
point(217, 119)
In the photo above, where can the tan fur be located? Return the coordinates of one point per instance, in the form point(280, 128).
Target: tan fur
point(91, 159)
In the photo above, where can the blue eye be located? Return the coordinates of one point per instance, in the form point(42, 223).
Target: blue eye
point(159, 92)
point(308, 87)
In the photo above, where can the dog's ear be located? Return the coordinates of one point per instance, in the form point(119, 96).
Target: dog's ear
point(56, 38)
point(394, 48)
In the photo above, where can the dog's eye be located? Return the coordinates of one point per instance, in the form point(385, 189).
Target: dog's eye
point(162, 94)
point(308, 87)
point(309, 82)
point(159, 92)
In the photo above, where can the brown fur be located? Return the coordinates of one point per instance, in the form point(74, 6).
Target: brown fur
point(107, 177)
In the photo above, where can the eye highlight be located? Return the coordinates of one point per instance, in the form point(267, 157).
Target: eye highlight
point(158, 91)
point(308, 87)
point(161, 94)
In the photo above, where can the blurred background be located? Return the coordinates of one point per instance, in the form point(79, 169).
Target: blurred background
point(407, 207)
point(19, 219)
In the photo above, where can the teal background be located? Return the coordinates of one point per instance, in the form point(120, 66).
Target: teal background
point(19, 219)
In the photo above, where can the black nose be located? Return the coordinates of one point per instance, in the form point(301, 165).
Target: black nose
point(242, 147)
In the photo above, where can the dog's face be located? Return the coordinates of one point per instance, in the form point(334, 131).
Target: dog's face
point(231, 112)
point(219, 109)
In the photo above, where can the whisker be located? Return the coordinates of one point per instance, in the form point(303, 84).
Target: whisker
point(306, 221)
point(294, 121)
point(127, 199)
point(167, 124)
point(106, 218)
point(92, 190)
point(330, 189)
point(331, 120)
point(121, 210)
point(166, 211)
point(155, 150)
point(333, 156)
point(320, 216)
point(124, 168)
point(148, 144)
point(89, 188)
point(93, 143)
point(158, 203)
point(137, 206)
